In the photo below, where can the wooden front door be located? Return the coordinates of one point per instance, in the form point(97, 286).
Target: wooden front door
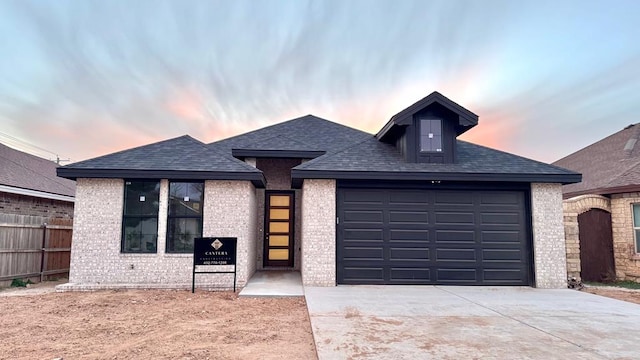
point(278, 240)
point(596, 246)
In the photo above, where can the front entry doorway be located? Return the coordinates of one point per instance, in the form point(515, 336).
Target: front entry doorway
point(278, 239)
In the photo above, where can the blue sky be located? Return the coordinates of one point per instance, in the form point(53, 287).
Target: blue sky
point(86, 78)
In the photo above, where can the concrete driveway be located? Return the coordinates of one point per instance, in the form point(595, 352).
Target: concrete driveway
point(433, 322)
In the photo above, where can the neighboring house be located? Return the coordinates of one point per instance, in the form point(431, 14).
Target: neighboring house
point(29, 186)
point(602, 213)
point(409, 205)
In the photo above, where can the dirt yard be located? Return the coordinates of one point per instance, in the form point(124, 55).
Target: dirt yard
point(616, 293)
point(152, 324)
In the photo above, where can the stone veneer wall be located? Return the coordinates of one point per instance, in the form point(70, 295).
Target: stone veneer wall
point(571, 209)
point(96, 260)
point(626, 259)
point(550, 259)
point(319, 232)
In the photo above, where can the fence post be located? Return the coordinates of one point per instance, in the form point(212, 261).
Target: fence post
point(44, 253)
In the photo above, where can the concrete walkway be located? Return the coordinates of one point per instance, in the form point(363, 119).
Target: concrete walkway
point(419, 322)
point(273, 283)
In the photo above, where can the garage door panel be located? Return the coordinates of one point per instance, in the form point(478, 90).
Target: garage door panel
point(419, 235)
point(456, 237)
point(457, 218)
point(408, 254)
point(504, 218)
point(410, 275)
point(501, 275)
point(412, 198)
point(459, 275)
point(364, 275)
point(408, 217)
point(502, 255)
point(456, 198)
point(361, 253)
point(360, 216)
point(456, 255)
point(501, 237)
point(501, 198)
point(362, 197)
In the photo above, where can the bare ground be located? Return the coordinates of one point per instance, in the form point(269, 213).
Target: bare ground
point(616, 293)
point(152, 324)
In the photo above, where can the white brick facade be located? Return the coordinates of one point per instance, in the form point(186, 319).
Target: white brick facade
point(96, 259)
point(549, 250)
point(319, 232)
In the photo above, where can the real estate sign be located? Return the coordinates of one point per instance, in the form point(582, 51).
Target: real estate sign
point(212, 251)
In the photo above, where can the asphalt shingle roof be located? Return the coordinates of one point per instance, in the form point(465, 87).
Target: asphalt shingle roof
point(181, 154)
point(373, 155)
point(607, 166)
point(307, 133)
point(26, 171)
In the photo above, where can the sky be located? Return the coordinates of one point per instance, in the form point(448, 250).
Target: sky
point(81, 79)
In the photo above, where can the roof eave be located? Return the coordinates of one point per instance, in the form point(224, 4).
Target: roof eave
point(257, 178)
point(298, 154)
point(297, 175)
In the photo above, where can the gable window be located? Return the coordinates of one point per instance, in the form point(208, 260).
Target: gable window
point(431, 135)
point(140, 216)
point(184, 222)
point(636, 226)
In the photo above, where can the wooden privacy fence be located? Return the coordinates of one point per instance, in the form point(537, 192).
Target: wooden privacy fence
point(34, 246)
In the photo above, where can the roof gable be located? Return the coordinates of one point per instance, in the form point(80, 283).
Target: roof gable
point(307, 133)
point(466, 119)
point(26, 171)
point(608, 166)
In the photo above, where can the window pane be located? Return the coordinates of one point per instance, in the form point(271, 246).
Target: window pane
point(279, 227)
point(637, 240)
point(141, 197)
point(181, 232)
point(430, 135)
point(279, 200)
point(636, 215)
point(185, 199)
point(278, 254)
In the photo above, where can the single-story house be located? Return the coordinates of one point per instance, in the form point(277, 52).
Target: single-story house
point(602, 213)
point(29, 186)
point(411, 204)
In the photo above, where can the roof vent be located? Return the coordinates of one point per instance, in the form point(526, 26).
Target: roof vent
point(630, 144)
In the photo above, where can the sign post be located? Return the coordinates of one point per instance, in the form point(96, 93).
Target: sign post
point(214, 251)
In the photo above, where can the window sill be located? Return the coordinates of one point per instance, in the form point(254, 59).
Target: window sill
point(178, 255)
point(134, 254)
point(635, 257)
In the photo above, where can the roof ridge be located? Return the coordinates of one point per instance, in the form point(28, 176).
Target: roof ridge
point(285, 122)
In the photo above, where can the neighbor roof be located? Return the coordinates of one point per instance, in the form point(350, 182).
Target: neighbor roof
point(181, 157)
point(26, 171)
point(372, 159)
point(609, 166)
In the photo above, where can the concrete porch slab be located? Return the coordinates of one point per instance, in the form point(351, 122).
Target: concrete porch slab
point(273, 284)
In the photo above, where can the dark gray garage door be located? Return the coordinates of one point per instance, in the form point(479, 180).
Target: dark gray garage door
point(459, 237)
